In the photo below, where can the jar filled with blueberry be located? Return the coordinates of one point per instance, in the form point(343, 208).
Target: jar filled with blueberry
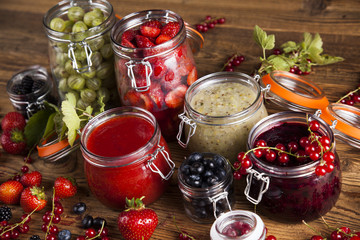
point(206, 183)
point(239, 224)
point(296, 171)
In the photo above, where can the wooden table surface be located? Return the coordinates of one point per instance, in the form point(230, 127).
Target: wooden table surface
point(24, 43)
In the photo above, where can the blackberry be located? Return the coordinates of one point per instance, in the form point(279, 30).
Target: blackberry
point(5, 213)
point(27, 83)
point(35, 237)
point(18, 89)
point(38, 84)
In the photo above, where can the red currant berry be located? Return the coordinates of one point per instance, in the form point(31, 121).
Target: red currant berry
point(6, 236)
point(270, 156)
point(314, 125)
point(301, 156)
point(44, 227)
point(237, 175)
point(293, 146)
point(221, 20)
point(46, 218)
point(54, 229)
point(51, 237)
point(241, 58)
point(26, 216)
point(211, 25)
point(355, 238)
point(329, 157)
point(104, 232)
point(277, 51)
point(284, 158)
point(345, 230)
point(56, 219)
point(270, 237)
point(207, 18)
point(349, 102)
point(261, 143)
point(304, 141)
point(14, 234)
point(325, 141)
point(24, 169)
point(80, 238)
point(229, 69)
point(299, 72)
point(17, 178)
point(320, 170)
point(24, 228)
point(316, 237)
point(4, 223)
point(356, 98)
point(90, 232)
point(292, 70)
point(330, 167)
point(237, 165)
point(258, 153)
point(246, 163)
point(314, 156)
point(310, 148)
point(105, 238)
point(59, 209)
point(243, 171)
point(280, 146)
point(343, 101)
point(199, 27)
point(28, 160)
point(240, 156)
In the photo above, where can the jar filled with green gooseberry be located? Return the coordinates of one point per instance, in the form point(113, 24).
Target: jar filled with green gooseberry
point(81, 56)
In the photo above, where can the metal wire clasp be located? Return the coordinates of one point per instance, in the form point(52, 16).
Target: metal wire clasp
point(265, 181)
point(71, 55)
point(218, 197)
point(148, 71)
point(155, 169)
point(192, 129)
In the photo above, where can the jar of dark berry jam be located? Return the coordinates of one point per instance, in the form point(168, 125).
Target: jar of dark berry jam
point(206, 182)
point(239, 224)
point(220, 110)
point(288, 91)
point(125, 156)
point(155, 68)
point(29, 89)
point(292, 191)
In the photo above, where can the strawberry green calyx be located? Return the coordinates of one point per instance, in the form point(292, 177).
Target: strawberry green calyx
point(17, 136)
point(134, 204)
point(38, 192)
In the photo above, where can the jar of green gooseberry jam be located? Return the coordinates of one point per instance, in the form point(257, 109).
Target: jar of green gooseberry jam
point(293, 191)
point(81, 57)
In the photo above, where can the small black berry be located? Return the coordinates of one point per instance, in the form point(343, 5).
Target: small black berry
point(87, 222)
point(64, 235)
point(79, 208)
point(98, 221)
point(35, 237)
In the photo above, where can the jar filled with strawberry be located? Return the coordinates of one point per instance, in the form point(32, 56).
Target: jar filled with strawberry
point(295, 173)
point(238, 224)
point(154, 64)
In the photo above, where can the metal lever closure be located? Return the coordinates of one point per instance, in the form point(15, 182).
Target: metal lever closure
point(88, 53)
point(192, 129)
point(148, 71)
point(265, 181)
point(218, 197)
point(155, 169)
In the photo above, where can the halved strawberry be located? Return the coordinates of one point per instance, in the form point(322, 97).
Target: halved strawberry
point(129, 35)
point(171, 29)
point(143, 42)
point(159, 67)
point(156, 94)
point(171, 80)
point(151, 29)
point(175, 98)
point(134, 98)
point(31, 179)
point(127, 43)
point(33, 198)
point(10, 192)
point(162, 38)
point(192, 77)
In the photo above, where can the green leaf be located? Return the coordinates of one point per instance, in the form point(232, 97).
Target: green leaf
point(101, 103)
point(307, 40)
point(35, 127)
point(269, 42)
point(260, 36)
point(327, 59)
point(89, 110)
point(71, 98)
point(289, 46)
point(71, 120)
point(279, 63)
point(50, 126)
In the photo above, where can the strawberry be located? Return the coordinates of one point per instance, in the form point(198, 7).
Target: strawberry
point(65, 187)
point(151, 29)
point(137, 222)
point(31, 179)
point(171, 29)
point(127, 43)
point(175, 98)
point(13, 120)
point(10, 192)
point(33, 197)
point(192, 77)
point(129, 35)
point(162, 38)
point(142, 100)
point(156, 94)
point(13, 141)
point(143, 42)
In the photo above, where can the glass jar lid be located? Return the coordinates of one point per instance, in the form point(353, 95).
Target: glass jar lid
point(294, 92)
point(346, 121)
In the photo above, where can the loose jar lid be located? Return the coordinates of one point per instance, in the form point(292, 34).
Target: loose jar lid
point(294, 92)
point(346, 120)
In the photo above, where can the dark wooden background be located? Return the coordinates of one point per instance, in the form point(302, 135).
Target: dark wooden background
point(23, 43)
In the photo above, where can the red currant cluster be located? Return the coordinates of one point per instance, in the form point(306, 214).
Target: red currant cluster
point(232, 62)
point(50, 218)
point(342, 233)
point(12, 231)
point(313, 147)
point(91, 233)
point(209, 23)
point(351, 98)
point(295, 68)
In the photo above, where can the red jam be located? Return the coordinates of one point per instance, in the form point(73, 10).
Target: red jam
point(117, 154)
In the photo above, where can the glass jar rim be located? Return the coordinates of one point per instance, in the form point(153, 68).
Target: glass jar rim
point(64, 5)
point(276, 119)
point(134, 19)
point(220, 78)
point(120, 161)
point(295, 92)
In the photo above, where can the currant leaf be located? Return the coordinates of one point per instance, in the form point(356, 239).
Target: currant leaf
point(71, 120)
point(289, 47)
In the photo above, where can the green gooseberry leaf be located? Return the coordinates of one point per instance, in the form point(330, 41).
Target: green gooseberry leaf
point(71, 120)
point(289, 46)
point(36, 125)
point(101, 103)
point(327, 59)
point(262, 39)
point(307, 40)
point(71, 98)
point(279, 62)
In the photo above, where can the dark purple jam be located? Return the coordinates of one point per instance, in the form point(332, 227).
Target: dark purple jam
point(294, 197)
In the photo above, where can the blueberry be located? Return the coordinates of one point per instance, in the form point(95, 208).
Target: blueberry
point(221, 173)
point(199, 203)
point(79, 208)
point(98, 221)
point(197, 183)
point(197, 168)
point(64, 235)
point(194, 157)
point(218, 161)
point(208, 173)
point(87, 222)
point(211, 164)
point(213, 180)
point(201, 212)
point(194, 177)
point(185, 169)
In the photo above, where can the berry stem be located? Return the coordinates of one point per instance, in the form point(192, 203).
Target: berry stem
point(347, 95)
point(11, 227)
point(52, 214)
point(100, 231)
point(306, 224)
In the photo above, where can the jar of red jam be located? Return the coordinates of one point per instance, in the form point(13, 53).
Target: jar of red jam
point(219, 111)
point(238, 224)
point(125, 156)
point(206, 182)
point(154, 63)
point(292, 191)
